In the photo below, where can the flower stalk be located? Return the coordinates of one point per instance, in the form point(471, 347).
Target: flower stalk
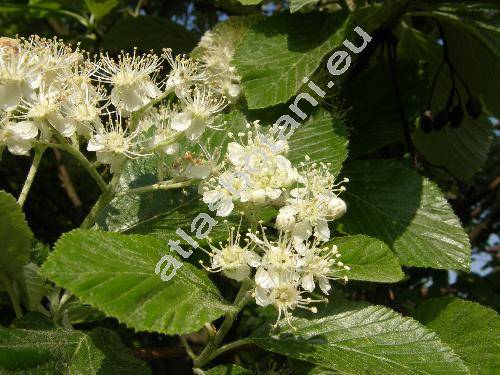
point(242, 298)
point(164, 185)
point(31, 175)
point(106, 197)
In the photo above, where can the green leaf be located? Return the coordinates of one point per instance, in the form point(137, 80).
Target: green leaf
point(368, 258)
point(228, 370)
point(33, 320)
point(470, 329)
point(356, 338)
point(61, 351)
point(323, 137)
point(375, 116)
point(463, 150)
point(370, 17)
point(15, 237)
point(77, 312)
point(277, 53)
point(118, 358)
point(99, 8)
point(149, 32)
point(115, 273)
point(393, 203)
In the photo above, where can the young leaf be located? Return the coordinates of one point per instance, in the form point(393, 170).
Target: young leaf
point(356, 338)
point(115, 273)
point(470, 329)
point(368, 258)
point(277, 53)
point(15, 237)
point(66, 351)
point(323, 137)
point(33, 286)
point(99, 8)
point(393, 203)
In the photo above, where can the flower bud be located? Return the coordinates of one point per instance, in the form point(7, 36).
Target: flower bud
point(258, 196)
point(337, 207)
point(285, 220)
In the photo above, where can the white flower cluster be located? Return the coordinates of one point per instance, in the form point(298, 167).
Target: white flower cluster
point(123, 107)
point(256, 173)
point(284, 269)
point(216, 50)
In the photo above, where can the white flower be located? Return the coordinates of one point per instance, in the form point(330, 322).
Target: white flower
point(193, 166)
point(200, 106)
point(287, 269)
point(44, 108)
point(132, 77)
point(229, 186)
point(20, 72)
point(318, 263)
point(56, 60)
point(164, 140)
point(114, 144)
point(82, 108)
point(312, 205)
point(232, 259)
point(278, 256)
point(216, 50)
point(184, 72)
point(285, 295)
point(18, 136)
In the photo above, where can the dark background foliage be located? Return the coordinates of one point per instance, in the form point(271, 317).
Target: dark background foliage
point(63, 193)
